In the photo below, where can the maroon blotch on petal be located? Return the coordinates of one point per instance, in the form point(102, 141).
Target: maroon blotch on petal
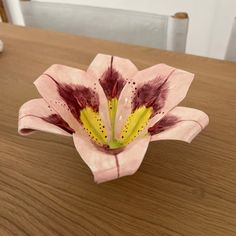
point(164, 124)
point(112, 82)
point(152, 94)
point(77, 97)
point(56, 119)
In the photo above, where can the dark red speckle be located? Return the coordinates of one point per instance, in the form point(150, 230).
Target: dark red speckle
point(152, 94)
point(77, 97)
point(164, 124)
point(112, 82)
point(56, 119)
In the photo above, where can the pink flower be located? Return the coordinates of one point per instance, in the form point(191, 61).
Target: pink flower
point(113, 111)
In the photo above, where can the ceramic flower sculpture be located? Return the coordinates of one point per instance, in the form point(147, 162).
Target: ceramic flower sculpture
point(113, 111)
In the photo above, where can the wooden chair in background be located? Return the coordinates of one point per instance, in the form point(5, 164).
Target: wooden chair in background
point(231, 48)
point(3, 16)
point(140, 28)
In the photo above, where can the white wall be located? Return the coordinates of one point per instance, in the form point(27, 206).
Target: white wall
point(210, 20)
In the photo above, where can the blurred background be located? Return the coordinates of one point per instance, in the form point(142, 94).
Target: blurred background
point(205, 28)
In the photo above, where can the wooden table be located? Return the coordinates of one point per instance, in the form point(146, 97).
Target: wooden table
point(180, 189)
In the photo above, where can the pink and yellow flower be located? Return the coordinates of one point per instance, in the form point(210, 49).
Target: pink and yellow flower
point(113, 111)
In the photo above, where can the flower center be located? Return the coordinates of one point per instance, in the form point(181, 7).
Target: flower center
point(133, 127)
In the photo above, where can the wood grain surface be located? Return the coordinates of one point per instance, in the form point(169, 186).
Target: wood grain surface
point(180, 189)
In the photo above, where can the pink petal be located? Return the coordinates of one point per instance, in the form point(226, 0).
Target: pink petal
point(36, 114)
point(112, 73)
point(99, 162)
point(102, 62)
point(189, 123)
point(131, 158)
point(176, 83)
point(70, 78)
point(106, 166)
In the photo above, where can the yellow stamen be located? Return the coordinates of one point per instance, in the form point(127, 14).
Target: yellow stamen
point(93, 125)
point(134, 124)
point(112, 104)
